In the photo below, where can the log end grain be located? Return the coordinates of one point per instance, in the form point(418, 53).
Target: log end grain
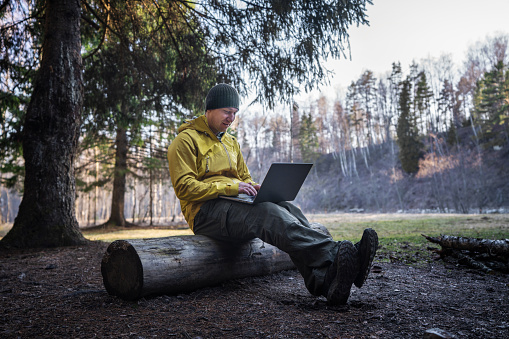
point(122, 271)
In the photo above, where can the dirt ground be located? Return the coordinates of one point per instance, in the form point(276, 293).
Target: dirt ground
point(59, 293)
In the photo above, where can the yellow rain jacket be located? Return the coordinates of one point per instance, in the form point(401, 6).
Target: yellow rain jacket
point(202, 167)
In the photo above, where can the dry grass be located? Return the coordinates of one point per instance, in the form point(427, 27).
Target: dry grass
point(399, 226)
point(116, 233)
point(4, 228)
point(138, 233)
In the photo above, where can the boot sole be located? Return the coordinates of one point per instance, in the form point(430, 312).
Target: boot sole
point(367, 250)
point(347, 261)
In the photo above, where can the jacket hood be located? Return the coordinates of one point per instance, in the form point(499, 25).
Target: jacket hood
point(199, 124)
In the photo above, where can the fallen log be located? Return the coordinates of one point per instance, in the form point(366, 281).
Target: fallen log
point(133, 269)
point(493, 247)
point(482, 254)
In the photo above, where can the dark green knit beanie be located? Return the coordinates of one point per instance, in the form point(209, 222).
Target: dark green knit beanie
point(221, 96)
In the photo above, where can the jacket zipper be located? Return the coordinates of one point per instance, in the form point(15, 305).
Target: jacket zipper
point(227, 154)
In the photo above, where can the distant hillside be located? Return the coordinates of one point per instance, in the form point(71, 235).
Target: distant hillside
point(463, 179)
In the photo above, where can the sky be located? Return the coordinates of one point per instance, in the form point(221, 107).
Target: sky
point(407, 30)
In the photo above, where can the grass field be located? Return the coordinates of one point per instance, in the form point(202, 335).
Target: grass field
point(399, 234)
point(409, 227)
point(402, 227)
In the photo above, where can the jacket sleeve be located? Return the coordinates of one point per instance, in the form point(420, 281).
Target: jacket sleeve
point(182, 160)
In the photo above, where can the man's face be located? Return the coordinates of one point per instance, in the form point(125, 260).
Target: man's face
point(221, 118)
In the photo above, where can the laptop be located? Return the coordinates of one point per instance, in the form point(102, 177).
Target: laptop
point(282, 183)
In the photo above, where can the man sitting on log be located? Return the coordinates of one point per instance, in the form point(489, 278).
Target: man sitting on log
point(206, 162)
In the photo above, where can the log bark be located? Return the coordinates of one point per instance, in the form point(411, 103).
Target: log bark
point(482, 254)
point(133, 269)
point(492, 247)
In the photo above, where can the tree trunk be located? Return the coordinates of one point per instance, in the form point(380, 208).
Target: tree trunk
point(96, 195)
point(46, 216)
point(138, 268)
point(2, 202)
point(117, 216)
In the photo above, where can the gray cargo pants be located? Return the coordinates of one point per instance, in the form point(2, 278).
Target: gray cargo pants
point(282, 225)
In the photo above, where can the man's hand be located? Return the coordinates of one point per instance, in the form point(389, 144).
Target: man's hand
point(248, 189)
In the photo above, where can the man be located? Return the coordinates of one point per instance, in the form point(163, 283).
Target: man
point(206, 162)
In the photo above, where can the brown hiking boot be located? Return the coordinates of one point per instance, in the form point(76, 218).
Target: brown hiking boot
point(366, 248)
point(342, 274)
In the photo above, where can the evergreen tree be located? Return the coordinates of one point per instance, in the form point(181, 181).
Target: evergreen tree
point(20, 47)
point(395, 81)
point(410, 147)
point(141, 79)
point(447, 107)
point(280, 44)
point(492, 105)
point(308, 139)
point(46, 216)
point(452, 134)
point(423, 95)
point(355, 115)
point(280, 47)
point(366, 92)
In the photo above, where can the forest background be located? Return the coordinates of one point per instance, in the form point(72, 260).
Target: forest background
point(435, 138)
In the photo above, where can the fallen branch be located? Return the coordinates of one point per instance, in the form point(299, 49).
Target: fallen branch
point(482, 254)
point(492, 247)
point(469, 261)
